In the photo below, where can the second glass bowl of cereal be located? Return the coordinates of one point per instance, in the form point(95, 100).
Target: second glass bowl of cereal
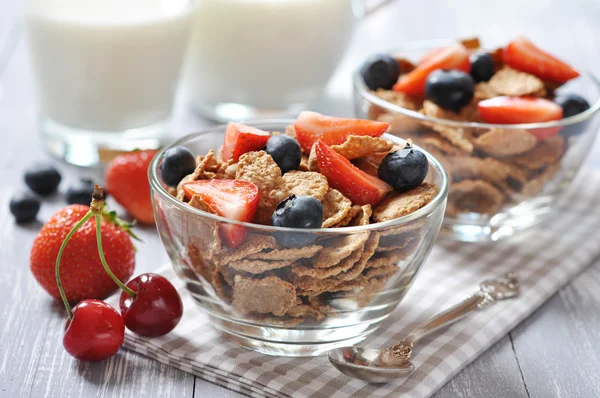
point(303, 301)
point(503, 179)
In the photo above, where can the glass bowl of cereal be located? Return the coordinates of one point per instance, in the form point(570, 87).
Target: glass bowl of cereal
point(512, 126)
point(284, 235)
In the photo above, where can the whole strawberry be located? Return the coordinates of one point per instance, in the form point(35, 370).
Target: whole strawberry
point(82, 274)
point(127, 181)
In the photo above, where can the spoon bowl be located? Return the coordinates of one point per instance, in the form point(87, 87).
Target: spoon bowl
point(365, 364)
point(382, 366)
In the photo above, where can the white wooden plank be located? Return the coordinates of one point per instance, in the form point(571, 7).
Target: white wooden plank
point(24, 308)
point(32, 360)
point(557, 347)
point(493, 372)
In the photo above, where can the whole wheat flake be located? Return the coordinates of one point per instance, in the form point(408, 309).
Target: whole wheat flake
point(363, 217)
point(508, 81)
point(340, 249)
point(376, 272)
point(252, 244)
point(458, 136)
point(257, 266)
point(260, 169)
point(266, 295)
point(286, 254)
point(335, 207)
point(546, 152)
point(366, 165)
point(359, 266)
point(322, 273)
point(311, 162)
point(303, 183)
point(357, 146)
point(401, 204)
point(352, 214)
point(206, 167)
point(505, 142)
point(475, 195)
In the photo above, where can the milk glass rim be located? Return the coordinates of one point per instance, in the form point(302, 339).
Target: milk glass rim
point(188, 8)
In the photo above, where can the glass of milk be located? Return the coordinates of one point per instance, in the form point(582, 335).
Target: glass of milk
point(106, 72)
point(264, 58)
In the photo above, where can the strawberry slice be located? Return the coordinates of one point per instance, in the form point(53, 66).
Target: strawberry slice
point(311, 127)
point(471, 44)
point(523, 55)
point(515, 110)
point(454, 57)
point(240, 139)
point(361, 188)
point(430, 54)
point(233, 199)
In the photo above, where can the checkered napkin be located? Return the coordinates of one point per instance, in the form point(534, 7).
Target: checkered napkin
point(545, 259)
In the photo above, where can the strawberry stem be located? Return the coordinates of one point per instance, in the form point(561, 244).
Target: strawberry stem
point(97, 209)
point(76, 227)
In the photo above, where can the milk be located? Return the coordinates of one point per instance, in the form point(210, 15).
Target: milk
point(107, 65)
point(265, 53)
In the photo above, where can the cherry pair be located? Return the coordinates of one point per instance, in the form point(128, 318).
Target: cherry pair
point(150, 305)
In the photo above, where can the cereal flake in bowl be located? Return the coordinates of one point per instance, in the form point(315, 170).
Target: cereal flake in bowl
point(512, 127)
point(347, 245)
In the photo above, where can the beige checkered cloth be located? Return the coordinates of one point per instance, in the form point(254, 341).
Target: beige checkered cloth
point(545, 259)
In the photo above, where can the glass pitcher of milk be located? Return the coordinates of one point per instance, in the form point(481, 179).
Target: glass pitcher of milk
point(106, 72)
point(264, 58)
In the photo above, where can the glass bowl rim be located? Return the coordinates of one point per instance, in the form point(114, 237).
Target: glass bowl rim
point(361, 89)
point(438, 201)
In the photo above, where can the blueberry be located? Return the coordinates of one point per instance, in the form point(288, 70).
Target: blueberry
point(449, 89)
point(24, 206)
point(482, 67)
point(404, 169)
point(80, 193)
point(380, 71)
point(42, 178)
point(177, 163)
point(285, 151)
point(572, 104)
point(297, 212)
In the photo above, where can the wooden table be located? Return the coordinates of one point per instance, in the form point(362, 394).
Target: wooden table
point(553, 354)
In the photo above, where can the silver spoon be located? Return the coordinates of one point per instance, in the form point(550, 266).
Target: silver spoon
point(382, 366)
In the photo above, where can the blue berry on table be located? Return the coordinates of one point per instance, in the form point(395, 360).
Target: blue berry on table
point(24, 206)
point(42, 178)
point(404, 169)
point(81, 192)
point(572, 104)
point(449, 89)
point(482, 67)
point(177, 163)
point(285, 151)
point(380, 71)
point(297, 212)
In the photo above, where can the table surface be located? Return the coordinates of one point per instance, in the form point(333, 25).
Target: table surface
point(554, 353)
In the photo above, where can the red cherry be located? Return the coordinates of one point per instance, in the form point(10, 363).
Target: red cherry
point(156, 308)
point(96, 331)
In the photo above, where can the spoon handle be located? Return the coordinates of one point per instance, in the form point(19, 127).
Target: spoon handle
point(489, 292)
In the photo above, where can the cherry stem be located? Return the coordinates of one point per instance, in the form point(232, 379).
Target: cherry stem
point(87, 216)
point(97, 207)
point(103, 259)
